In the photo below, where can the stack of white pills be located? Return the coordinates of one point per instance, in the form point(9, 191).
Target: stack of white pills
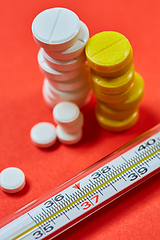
point(69, 121)
point(62, 38)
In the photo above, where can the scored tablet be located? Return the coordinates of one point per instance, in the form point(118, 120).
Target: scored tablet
point(76, 49)
point(56, 29)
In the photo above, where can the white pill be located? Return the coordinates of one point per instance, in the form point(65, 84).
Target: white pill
point(57, 75)
point(64, 66)
point(56, 29)
point(47, 99)
point(82, 80)
point(74, 84)
point(51, 101)
point(43, 134)
point(12, 180)
point(76, 127)
point(46, 90)
point(66, 113)
point(68, 138)
point(48, 102)
point(76, 49)
point(83, 101)
point(71, 85)
point(66, 95)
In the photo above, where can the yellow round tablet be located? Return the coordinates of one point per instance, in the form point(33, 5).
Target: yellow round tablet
point(109, 52)
point(113, 98)
point(117, 126)
point(135, 98)
point(114, 85)
point(111, 113)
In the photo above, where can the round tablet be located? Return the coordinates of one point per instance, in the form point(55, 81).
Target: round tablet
point(51, 100)
point(56, 29)
point(109, 53)
point(76, 127)
point(83, 101)
point(135, 98)
point(114, 85)
point(114, 98)
point(115, 125)
point(66, 65)
point(66, 113)
point(111, 113)
point(12, 180)
point(67, 95)
point(76, 49)
point(68, 138)
point(50, 103)
point(76, 83)
point(43, 134)
point(57, 75)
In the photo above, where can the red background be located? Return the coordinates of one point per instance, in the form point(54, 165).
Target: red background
point(136, 215)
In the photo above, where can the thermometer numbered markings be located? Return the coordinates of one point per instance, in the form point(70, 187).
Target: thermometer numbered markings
point(88, 194)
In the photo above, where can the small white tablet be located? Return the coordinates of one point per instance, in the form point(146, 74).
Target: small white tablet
point(68, 138)
point(76, 127)
point(76, 49)
point(64, 66)
point(66, 113)
point(56, 29)
point(12, 180)
point(43, 134)
point(57, 75)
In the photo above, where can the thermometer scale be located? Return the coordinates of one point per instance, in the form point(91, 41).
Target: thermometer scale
point(87, 192)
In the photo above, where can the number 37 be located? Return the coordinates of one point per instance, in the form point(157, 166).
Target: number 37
point(87, 204)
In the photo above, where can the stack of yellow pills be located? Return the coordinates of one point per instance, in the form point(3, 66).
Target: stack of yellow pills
point(118, 88)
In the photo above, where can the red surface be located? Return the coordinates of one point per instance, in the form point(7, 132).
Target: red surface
point(135, 215)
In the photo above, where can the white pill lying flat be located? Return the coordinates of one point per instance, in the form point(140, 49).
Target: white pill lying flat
point(76, 127)
point(76, 49)
point(64, 66)
point(56, 75)
point(43, 134)
point(68, 138)
point(56, 29)
point(66, 113)
point(12, 180)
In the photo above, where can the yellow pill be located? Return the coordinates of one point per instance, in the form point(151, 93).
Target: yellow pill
point(135, 97)
point(113, 98)
point(109, 53)
point(108, 112)
point(117, 126)
point(113, 85)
